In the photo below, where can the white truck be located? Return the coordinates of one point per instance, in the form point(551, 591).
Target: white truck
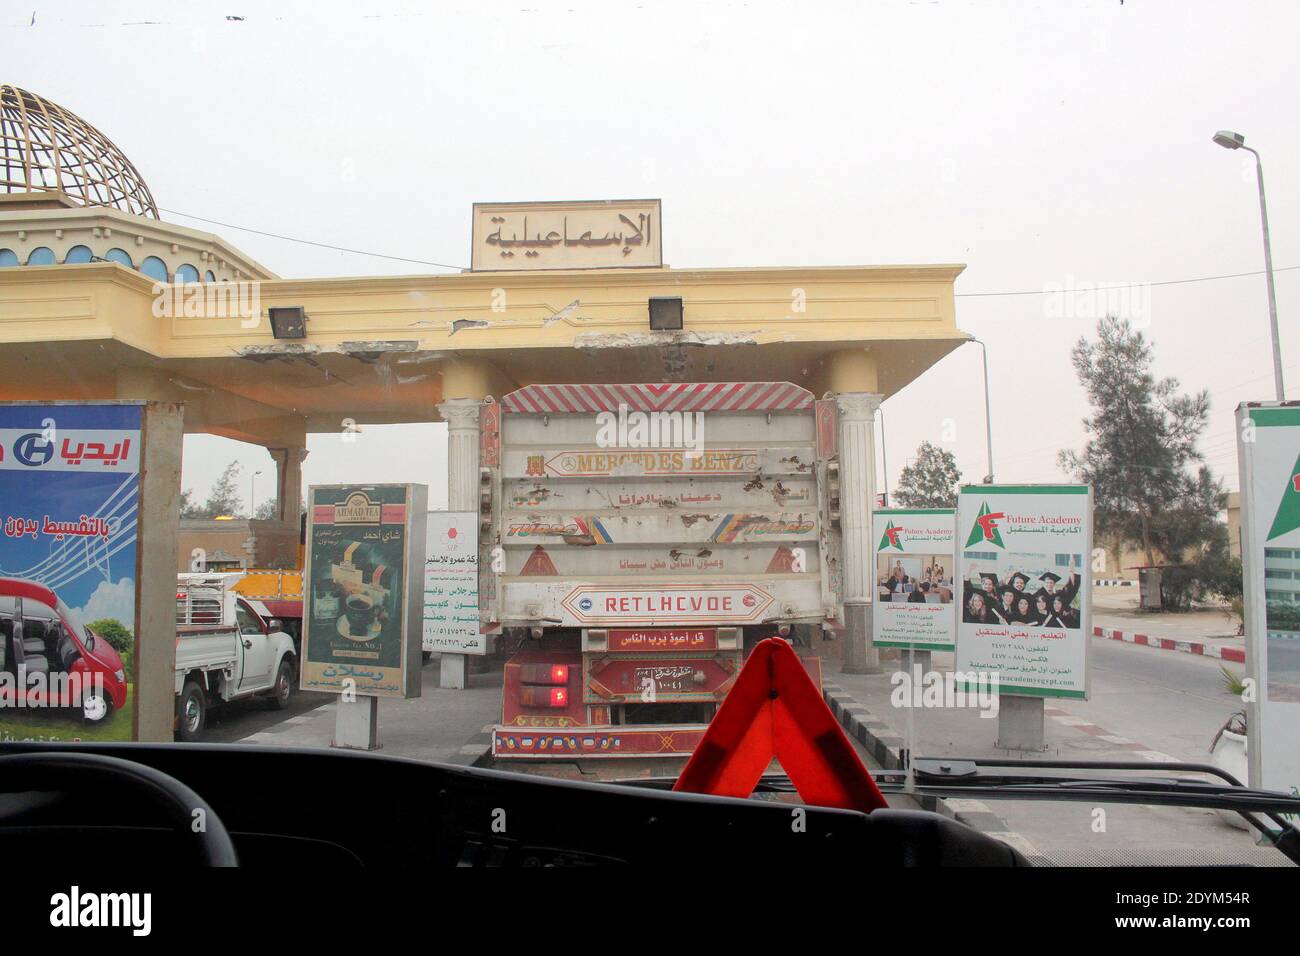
point(227, 648)
point(639, 539)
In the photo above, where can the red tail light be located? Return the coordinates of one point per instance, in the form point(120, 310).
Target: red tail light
point(544, 674)
point(544, 697)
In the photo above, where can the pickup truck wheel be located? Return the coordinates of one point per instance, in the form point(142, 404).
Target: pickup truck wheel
point(283, 689)
point(191, 712)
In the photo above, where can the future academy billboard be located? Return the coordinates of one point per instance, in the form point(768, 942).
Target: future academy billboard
point(1024, 580)
point(1269, 456)
point(915, 566)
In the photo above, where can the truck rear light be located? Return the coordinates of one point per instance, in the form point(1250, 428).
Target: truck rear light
point(544, 674)
point(544, 697)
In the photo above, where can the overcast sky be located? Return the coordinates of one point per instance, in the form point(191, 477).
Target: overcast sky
point(1044, 145)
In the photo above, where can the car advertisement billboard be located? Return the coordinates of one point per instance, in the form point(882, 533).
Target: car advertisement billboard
point(70, 497)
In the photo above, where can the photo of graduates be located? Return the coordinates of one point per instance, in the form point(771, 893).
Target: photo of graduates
point(914, 578)
point(1028, 590)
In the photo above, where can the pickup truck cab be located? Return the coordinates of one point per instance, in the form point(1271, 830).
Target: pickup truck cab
point(227, 648)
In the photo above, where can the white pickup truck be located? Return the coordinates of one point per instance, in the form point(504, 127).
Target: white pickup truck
point(227, 648)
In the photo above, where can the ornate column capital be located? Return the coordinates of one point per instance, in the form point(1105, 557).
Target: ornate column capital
point(858, 406)
point(460, 414)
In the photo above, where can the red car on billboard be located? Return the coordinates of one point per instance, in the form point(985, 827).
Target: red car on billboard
point(64, 663)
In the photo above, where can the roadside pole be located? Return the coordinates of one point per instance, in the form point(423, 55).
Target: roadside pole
point(356, 724)
point(1021, 723)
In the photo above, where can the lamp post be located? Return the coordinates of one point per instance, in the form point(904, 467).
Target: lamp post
point(1230, 140)
point(988, 414)
point(252, 495)
point(884, 460)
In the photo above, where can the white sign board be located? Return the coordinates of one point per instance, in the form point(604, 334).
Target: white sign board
point(1268, 447)
point(451, 619)
point(603, 234)
point(1023, 574)
point(915, 568)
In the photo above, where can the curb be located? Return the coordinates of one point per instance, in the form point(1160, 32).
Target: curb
point(883, 743)
point(476, 751)
point(1218, 651)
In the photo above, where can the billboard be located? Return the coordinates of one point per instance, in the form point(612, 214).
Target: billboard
point(1024, 578)
point(451, 619)
point(70, 502)
point(363, 589)
point(915, 568)
point(1268, 448)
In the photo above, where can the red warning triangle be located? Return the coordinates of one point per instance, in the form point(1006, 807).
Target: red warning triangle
point(539, 563)
point(775, 710)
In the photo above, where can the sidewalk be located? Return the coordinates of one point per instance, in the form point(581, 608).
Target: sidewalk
point(448, 726)
point(1209, 632)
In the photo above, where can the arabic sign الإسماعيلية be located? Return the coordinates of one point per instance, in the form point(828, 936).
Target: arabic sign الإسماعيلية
point(1269, 457)
point(1023, 579)
point(914, 566)
point(614, 234)
point(362, 601)
point(451, 611)
point(70, 504)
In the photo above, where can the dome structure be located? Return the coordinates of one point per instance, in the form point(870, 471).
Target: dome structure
point(45, 148)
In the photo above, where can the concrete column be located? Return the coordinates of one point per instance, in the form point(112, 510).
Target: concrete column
point(288, 487)
point(857, 451)
point(461, 416)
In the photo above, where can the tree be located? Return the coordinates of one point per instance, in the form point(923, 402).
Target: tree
point(119, 638)
point(188, 508)
point(1141, 448)
point(930, 481)
point(267, 510)
point(224, 498)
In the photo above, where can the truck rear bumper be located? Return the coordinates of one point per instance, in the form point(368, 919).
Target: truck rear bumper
point(569, 743)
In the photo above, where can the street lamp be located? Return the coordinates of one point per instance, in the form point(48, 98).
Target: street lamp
point(252, 495)
point(1230, 140)
point(884, 456)
point(988, 415)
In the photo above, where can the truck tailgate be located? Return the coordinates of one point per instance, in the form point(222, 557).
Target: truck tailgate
point(206, 648)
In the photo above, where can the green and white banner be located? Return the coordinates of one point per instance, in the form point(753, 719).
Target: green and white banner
point(1024, 586)
point(1268, 447)
point(914, 563)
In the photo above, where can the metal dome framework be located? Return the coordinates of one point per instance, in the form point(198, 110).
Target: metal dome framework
point(45, 148)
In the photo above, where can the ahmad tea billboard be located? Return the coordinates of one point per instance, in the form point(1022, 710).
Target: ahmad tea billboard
point(364, 588)
point(914, 578)
point(1023, 572)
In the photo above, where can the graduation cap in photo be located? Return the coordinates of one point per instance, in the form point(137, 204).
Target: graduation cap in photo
point(989, 578)
point(1049, 576)
point(1007, 590)
point(1022, 578)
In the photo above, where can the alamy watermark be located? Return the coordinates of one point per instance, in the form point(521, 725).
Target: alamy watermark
point(1094, 301)
point(209, 300)
point(934, 689)
point(634, 429)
